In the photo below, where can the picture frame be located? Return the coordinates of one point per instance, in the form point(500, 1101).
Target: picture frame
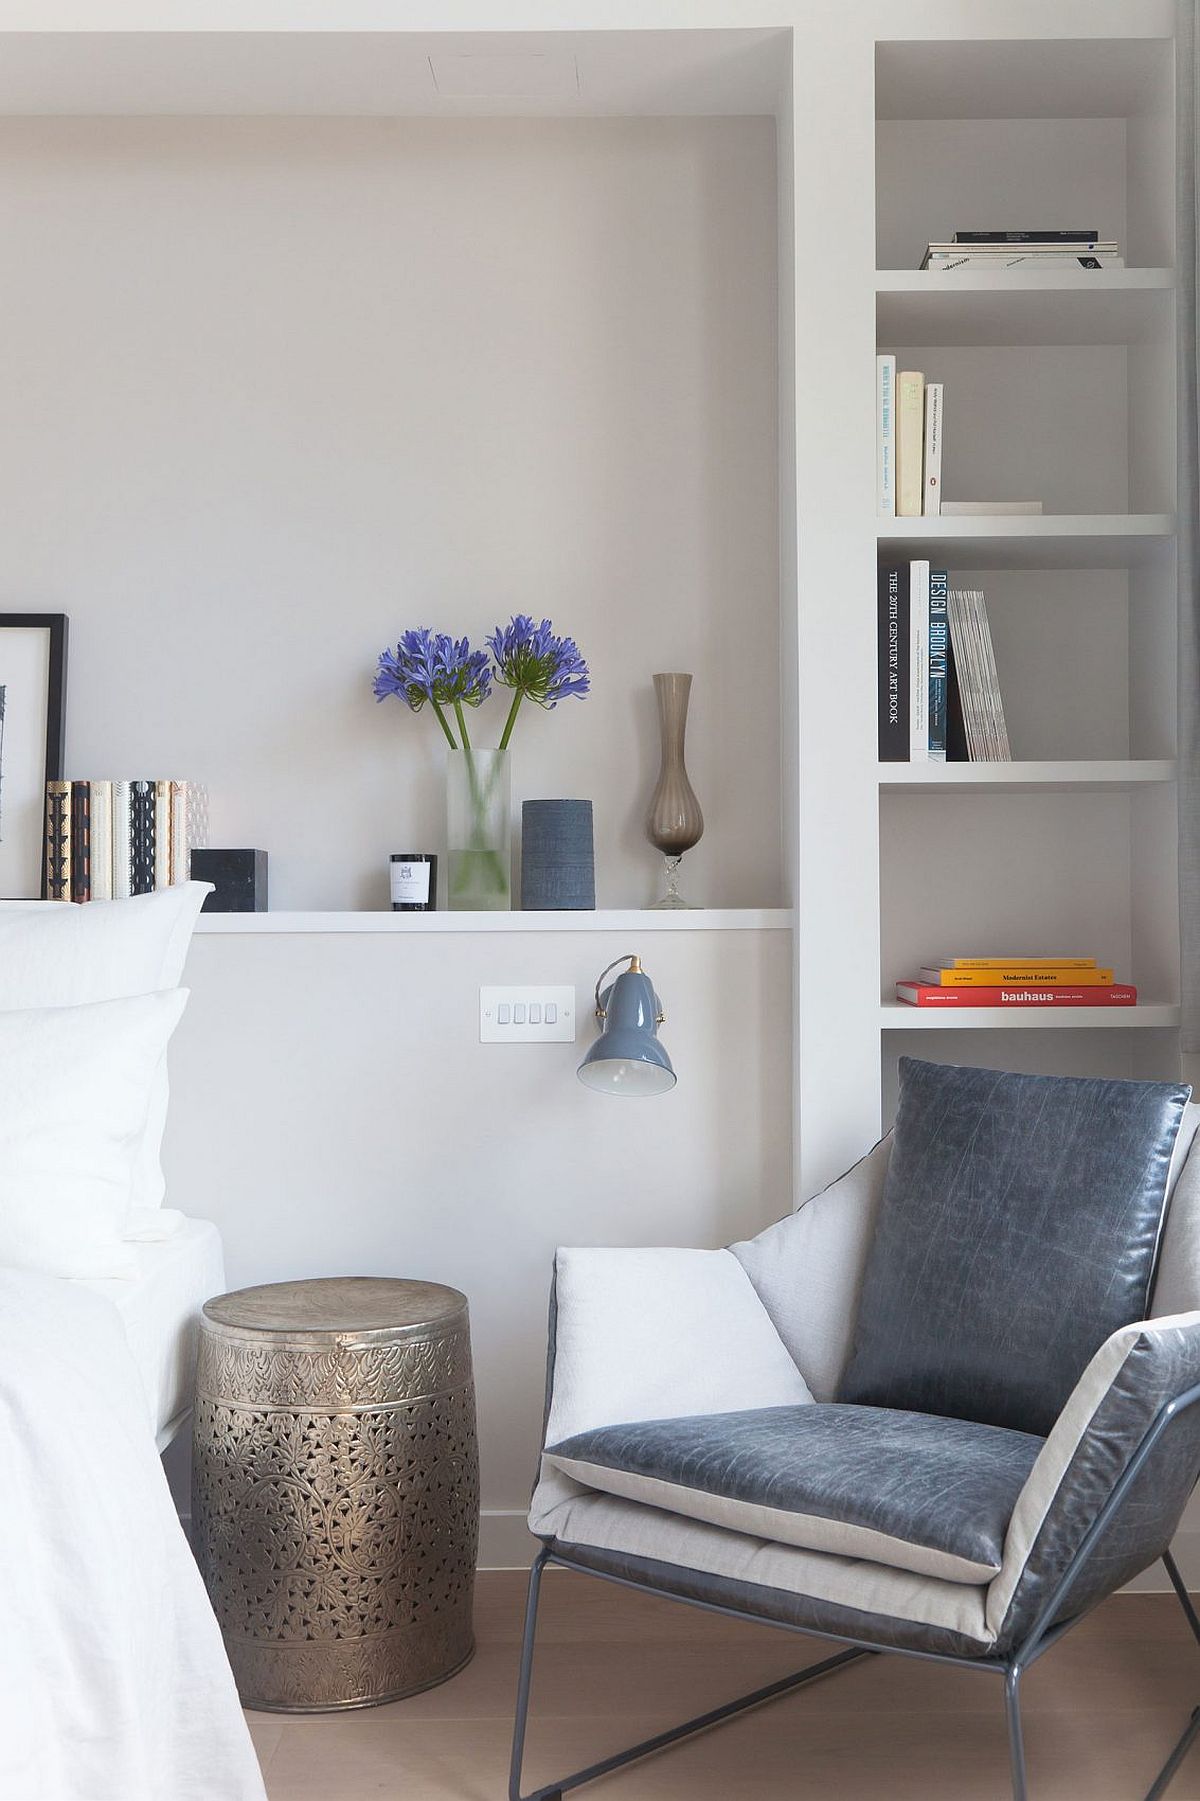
point(33, 683)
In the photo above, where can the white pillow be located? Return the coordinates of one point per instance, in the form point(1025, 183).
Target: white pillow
point(66, 956)
point(75, 1086)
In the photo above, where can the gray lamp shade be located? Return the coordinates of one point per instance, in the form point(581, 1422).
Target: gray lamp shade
point(627, 1058)
point(558, 865)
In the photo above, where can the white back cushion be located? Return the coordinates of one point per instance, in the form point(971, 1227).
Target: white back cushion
point(67, 956)
point(75, 1085)
point(807, 1270)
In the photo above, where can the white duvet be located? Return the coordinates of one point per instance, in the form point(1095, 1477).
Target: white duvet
point(113, 1680)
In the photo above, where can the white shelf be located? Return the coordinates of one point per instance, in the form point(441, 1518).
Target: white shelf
point(638, 921)
point(1033, 541)
point(946, 309)
point(895, 1016)
point(1112, 777)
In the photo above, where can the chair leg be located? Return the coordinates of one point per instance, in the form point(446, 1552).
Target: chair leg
point(1171, 1768)
point(1016, 1739)
point(555, 1791)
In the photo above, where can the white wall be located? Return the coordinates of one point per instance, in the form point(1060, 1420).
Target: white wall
point(274, 389)
point(333, 1111)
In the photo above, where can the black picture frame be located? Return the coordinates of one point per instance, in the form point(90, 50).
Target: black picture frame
point(55, 626)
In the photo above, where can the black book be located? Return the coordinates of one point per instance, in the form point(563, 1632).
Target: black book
point(893, 665)
point(957, 748)
point(141, 837)
point(81, 841)
point(1026, 237)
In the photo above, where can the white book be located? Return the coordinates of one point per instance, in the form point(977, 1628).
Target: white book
point(162, 834)
point(885, 425)
point(991, 509)
point(179, 833)
point(100, 835)
point(932, 489)
point(910, 441)
point(122, 841)
point(918, 662)
point(946, 260)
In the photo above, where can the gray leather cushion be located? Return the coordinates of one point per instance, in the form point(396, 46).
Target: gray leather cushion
point(1019, 1226)
point(925, 1494)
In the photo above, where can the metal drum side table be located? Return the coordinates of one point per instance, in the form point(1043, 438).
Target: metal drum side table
point(335, 1488)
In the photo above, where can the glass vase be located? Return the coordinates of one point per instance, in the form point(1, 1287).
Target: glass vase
point(478, 831)
point(674, 823)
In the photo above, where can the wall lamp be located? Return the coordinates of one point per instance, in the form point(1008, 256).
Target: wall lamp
point(627, 1058)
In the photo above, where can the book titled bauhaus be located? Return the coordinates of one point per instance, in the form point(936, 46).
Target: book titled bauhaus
point(924, 994)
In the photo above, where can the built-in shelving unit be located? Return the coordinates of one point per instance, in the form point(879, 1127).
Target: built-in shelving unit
point(639, 921)
point(1059, 388)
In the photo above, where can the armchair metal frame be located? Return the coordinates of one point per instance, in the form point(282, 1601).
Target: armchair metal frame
point(1044, 1633)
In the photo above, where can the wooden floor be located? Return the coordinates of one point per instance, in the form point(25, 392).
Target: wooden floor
point(1102, 1711)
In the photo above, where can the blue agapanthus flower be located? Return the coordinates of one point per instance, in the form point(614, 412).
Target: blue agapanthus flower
point(541, 667)
point(433, 666)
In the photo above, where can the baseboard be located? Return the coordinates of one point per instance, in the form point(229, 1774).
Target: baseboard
point(506, 1543)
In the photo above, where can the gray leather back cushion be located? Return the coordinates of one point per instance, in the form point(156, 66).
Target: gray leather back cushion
point(1019, 1227)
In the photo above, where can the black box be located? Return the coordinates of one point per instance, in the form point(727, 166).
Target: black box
point(240, 878)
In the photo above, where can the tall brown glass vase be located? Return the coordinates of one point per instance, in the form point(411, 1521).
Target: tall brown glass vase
point(674, 823)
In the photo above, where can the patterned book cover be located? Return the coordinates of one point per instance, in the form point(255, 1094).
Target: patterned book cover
point(122, 840)
point(81, 843)
point(58, 841)
point(197, 816)
point(179, 837)
point(141, 861)
point(162, 834)
point(101, 836)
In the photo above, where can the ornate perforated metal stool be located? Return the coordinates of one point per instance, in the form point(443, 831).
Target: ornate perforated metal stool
point(335, 1488)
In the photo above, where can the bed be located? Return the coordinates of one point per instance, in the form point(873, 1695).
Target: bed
point(114, 1685)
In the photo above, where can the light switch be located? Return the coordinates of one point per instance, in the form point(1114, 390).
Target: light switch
point(527, 1015)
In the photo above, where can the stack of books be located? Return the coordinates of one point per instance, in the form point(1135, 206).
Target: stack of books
point(1015, 982)
point(107, 840)
point(1071, 247)
point(939, 693)
point(909, 460)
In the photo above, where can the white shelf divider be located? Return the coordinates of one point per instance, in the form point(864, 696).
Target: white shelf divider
point(631, 920)
point(1034, 540)
point(896, 1016)
point(1112, 776)
point(917, 307)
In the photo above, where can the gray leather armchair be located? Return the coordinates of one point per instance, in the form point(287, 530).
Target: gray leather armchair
point(942, 1410)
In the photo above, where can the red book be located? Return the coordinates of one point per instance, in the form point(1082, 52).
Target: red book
point(923, 994)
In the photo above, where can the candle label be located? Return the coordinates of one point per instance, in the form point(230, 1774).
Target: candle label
point(410, 884)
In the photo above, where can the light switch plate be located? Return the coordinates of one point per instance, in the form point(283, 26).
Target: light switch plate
point(501, 1008)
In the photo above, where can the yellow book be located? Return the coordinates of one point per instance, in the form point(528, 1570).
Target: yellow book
point(1017, 962)
point(1018, 975)
point(910, 443)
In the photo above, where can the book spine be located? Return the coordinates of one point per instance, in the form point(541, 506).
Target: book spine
point(122, 840)
point(918, 662)
point(931, 491)
point(885, 402)
point(1016, 962)
point(1016, 258)
point(1015, 976)
point(81, 847)
point(939, 643)
point(179, 833)
point(1027, 237)
point(922, 994)
point(58, 841)
point(141, 860)
point(162, 834)
point(100, 801)
point(910, 442)
point(893, 666)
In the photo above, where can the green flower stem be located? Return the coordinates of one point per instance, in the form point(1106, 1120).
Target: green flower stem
point(509, 723)
point(441, 719)
point(462, 724)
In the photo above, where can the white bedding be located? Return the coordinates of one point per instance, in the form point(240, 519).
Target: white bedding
point(159, 1310)
point(113, 1680)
